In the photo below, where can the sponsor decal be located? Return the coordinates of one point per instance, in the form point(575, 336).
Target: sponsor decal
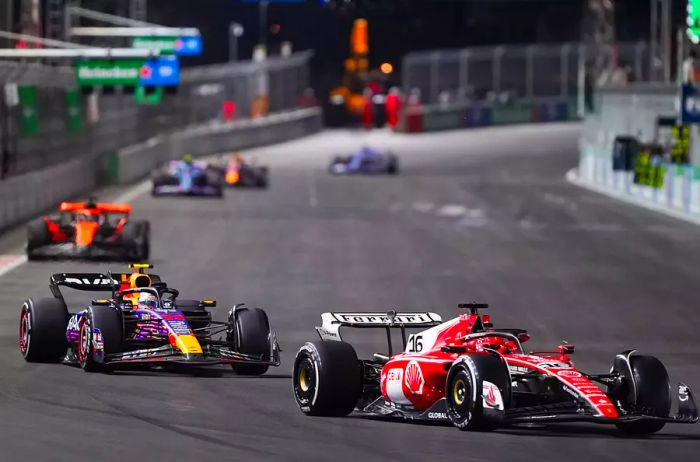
point(394, 375)
point(492, 396)
point(327, 334)
point(518, 369)
point(568, 373)
point(172, 317)
point(91, 282)
point(437, 415)
point(74, 322)
point(414, 378)
point(359, 318)
point(553, 365)
point(683, 393)
point(180, 327)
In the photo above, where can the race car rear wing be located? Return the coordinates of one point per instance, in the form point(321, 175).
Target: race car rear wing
point(332, 322)
point(94, 282)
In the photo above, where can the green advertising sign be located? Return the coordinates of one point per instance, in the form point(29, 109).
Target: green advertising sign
point(150, 96)
point(164, 44)
point(73, 111)
point(29, 118)
point(693, 20)
point(109, 71)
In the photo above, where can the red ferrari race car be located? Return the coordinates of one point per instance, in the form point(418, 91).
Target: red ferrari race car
point(89, 230)
point(478, 377)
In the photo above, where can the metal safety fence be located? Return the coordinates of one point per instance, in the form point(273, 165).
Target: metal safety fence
point(51, 121)
point(505, 73)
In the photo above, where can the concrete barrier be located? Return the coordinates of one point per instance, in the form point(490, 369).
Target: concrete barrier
point(28, 195)
point(136, 162)
point(483, 114)
point(25, 196)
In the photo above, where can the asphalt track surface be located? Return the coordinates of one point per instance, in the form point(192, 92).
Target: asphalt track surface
point(480, 215)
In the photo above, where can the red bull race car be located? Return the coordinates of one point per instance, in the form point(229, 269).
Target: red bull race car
point(245, 174)
point(91, 230)
point(142, 323)
point(478, 377)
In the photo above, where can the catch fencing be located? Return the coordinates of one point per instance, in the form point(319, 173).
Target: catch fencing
point(506, 73)
point(102, 123)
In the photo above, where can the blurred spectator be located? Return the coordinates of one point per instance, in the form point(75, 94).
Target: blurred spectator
point(392, 107)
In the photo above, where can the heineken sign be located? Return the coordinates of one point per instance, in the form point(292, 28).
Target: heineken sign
point(179, 46)
point(162, 71)
point(109, 71)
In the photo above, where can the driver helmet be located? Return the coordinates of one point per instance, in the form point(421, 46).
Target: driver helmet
point(187, 158)
point(147, 300)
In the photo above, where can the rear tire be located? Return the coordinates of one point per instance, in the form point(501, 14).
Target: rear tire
point(327, 379)
point(42, 330)
point(251, 335)
point(653, 393)
point(464, 392)
point(37, 236)
point(109, 323)
point(136, 239)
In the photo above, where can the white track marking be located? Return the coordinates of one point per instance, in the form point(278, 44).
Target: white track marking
point(313, 193)
point(134, 192)
point(21, 259)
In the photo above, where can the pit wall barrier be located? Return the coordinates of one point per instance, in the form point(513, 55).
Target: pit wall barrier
point(28, 195)
point(634, 111)
point(417, 119)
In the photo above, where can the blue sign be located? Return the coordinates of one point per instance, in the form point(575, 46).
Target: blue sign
point(189, 46)
point(690, 104)
point(163, 71)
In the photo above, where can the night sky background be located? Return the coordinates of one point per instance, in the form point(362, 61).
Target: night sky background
point(396, 26)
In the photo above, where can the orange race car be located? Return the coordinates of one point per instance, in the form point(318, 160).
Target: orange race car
point(89, 230)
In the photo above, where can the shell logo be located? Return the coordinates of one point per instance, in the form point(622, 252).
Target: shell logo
point(413, 378)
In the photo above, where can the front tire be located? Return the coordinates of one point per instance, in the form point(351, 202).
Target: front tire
point(646, 390)
point(101, 334)
point(42, 330)
point(327, 379)
point(251, 335)
point(477, 392)
point(37, 236)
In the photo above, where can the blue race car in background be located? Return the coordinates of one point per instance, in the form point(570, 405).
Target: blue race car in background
point(188, 178)
point(366, 161)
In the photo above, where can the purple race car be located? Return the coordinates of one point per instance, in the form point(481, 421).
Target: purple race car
point(142, 323)
point(188, 178)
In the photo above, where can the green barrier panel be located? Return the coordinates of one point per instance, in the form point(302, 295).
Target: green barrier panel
point(29, 118)
point(442, 120)
point(73, 111)
point(511, 115)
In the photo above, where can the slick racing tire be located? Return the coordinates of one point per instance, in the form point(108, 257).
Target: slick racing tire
point(92, 348)
point(136, 238)
point(653, 393)
point(251, 335)
point(42, 330)
point(477, 392)
point(327, 379)
point(393, 167)
point(37, 236)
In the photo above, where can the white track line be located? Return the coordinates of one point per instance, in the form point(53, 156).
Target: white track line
point(21, 260)
point(572, 177)
point(134, 192)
